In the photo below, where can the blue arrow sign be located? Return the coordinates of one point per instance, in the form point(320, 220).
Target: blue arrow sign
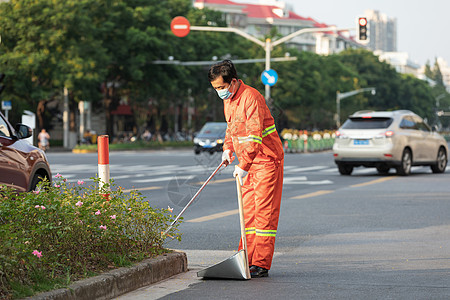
point(6, 105)
point(269, 77)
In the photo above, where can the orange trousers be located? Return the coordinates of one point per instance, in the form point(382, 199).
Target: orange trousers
point(261, 194)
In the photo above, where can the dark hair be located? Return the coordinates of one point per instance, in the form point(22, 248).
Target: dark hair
point(225, 69)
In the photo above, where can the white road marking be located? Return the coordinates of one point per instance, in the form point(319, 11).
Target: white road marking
point(305, 169)
point(304, 180)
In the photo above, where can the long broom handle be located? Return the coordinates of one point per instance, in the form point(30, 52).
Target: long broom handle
point(193, 198)
point(242, 222)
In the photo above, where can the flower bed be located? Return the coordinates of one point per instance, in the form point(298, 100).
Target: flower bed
point(63, 232)
point(303, 141)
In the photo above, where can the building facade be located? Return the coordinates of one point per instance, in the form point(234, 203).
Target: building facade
point(382, 31)
point(400, 61)
point(259, 20)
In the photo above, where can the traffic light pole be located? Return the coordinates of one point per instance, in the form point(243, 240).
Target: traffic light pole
point(268, 45)
point(340, 96)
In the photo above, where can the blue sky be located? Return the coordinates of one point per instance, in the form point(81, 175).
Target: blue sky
point(422, 25)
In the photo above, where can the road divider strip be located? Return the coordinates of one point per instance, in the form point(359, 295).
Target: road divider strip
point(214, 216)
point(314, 194)
point(373, 181)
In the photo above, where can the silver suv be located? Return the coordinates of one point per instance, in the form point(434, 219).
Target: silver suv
point(388, 139)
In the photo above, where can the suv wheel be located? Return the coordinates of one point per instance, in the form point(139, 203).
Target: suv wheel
point(383, 169)
point(405, 166)
point(441, 162)
point(34, 182)
point(345, 169)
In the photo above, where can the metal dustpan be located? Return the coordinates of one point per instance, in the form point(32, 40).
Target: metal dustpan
point(236, 266)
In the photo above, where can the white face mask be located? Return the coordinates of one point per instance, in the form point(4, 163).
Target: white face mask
point(225, 93)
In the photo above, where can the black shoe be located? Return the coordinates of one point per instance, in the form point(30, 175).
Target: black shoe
point(257, 272)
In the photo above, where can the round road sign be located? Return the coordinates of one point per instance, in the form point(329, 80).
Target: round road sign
point(180, 26)
point(269, 77)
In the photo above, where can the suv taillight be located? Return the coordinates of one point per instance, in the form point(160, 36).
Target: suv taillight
point(389, 133)
point(340, 135)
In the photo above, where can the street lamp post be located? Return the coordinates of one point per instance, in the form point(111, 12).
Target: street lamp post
point(340, 96)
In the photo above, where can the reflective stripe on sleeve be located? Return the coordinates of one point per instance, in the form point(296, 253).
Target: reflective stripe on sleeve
point(250, 230)
point(261, 232)
point(250, 138)
point(268, 130)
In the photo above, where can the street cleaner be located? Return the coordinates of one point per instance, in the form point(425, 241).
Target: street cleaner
point(252, 136)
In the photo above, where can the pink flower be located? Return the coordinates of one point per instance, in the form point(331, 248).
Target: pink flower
point(57, 185)
point(58, 175)
point(37, 206)
point(80, 182)
point(42, 206)
point(113, 217)
point(103, 227)
point(169, 209)
point(79, 203)
point(37, 253)
point(36, 192)
point(98, 212)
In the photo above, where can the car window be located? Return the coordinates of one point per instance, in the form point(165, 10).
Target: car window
point(214, 128)
point(367, 123)
point(422, 126)
point(4, 131)
point(408, 123)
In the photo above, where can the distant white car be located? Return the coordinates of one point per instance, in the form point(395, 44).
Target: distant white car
point(210, 138)
point(388, 139)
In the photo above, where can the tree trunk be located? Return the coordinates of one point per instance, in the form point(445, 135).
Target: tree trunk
point(40, 111)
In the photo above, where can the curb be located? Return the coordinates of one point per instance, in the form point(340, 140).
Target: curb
point(84, 151)
point(120, 281)
point(80, 151)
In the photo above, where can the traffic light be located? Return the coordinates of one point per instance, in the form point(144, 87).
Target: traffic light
point(362, 24)
point(2, 86)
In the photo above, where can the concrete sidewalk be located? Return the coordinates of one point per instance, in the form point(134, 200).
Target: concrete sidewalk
point(120, 281)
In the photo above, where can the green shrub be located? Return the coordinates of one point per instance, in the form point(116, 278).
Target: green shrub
point(63, 232)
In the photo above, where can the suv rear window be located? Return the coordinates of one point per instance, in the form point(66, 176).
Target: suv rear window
point(367, 123)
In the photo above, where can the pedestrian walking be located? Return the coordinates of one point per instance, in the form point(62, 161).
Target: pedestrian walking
point(44, 140)
point(252, 136)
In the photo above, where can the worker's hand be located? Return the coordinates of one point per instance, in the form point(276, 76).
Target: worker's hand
point(239, 173)
point(226, 157)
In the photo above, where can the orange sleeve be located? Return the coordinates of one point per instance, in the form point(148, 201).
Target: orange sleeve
point(228, 143)
point(254, 112)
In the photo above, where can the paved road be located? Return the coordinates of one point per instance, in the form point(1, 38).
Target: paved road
point(339, 237)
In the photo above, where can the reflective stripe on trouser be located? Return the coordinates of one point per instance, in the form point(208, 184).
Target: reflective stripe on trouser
point(262, 198)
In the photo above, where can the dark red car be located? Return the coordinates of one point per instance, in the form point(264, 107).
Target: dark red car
point(22, 165)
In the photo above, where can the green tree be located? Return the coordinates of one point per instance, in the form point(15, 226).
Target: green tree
point(437, 74)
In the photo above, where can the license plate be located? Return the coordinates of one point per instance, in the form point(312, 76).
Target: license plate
point(360, 142)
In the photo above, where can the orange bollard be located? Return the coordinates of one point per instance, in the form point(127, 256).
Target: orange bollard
point(103, 161)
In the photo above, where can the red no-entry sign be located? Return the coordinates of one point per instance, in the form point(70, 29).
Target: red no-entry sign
point(180, 26)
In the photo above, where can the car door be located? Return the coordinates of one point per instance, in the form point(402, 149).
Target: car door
point(429, 145)
point(13, 170)
point(413, 137)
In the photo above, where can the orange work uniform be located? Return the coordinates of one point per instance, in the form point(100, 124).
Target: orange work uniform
point(252, 135)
